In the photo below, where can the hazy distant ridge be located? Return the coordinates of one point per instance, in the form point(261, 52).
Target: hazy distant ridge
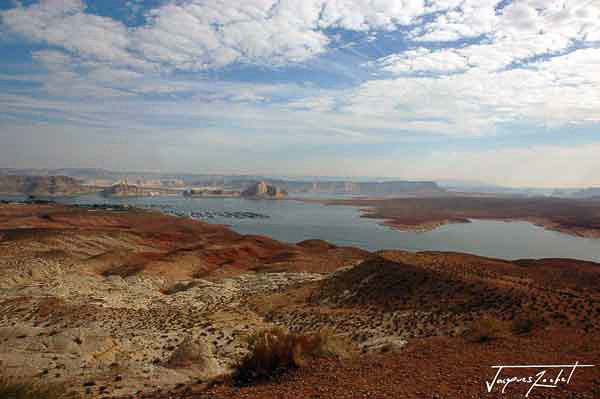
point(241, 183)
point(41, 185)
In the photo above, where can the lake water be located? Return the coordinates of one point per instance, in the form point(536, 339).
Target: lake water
point(294, 221)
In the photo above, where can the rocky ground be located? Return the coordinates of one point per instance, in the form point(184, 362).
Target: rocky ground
point(140, 304)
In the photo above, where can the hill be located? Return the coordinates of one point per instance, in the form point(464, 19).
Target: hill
point(41, 185)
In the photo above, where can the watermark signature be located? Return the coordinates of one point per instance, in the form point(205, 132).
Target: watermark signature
point(548, 376)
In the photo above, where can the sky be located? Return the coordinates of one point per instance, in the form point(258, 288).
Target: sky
point(501, 91)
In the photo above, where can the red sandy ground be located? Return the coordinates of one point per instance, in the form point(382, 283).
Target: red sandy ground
point(438, 367)
point(216, 250)
point(429, 366)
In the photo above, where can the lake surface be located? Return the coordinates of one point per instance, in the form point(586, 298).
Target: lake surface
point(293, 221)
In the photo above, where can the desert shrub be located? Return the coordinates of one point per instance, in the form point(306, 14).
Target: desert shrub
point(28, 389)
point(486, 328)
point(277, 350)
point(126, 270)
point(523, 325)
point(178, 287)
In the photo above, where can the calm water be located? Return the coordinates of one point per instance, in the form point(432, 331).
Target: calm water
point(295, 221)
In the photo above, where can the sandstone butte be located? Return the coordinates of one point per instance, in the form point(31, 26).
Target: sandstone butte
point(263, 190)
point(137, 304)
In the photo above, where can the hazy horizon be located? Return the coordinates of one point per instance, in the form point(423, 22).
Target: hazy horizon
point(458, 183)
point(505, 92)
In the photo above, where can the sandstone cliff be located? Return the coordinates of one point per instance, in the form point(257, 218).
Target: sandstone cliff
point(126, 190)
point(263, 190)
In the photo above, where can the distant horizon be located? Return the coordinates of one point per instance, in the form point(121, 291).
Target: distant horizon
point(442, 182)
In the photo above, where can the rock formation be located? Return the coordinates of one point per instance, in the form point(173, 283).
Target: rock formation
point(263, 190)
point(126, 190)
point(195, 354)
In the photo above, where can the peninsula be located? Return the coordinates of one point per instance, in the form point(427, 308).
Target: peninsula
point(577, 217)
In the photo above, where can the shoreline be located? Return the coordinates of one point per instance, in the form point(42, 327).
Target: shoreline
point(431, 226)
point(385, 218)
point(368, 208)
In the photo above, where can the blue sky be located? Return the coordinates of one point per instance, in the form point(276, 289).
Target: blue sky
point(506, 92)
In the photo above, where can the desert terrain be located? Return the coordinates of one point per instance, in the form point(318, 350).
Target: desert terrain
point(138, 304)
point(577, 217)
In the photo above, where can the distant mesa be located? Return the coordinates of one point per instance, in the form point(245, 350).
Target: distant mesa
point(380, 189)
point(263, 190)
point(127, 190)
point(393, 187)
point(278, 188)
point(41, 185)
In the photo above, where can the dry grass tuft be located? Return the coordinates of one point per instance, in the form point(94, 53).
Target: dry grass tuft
point(523, 325)
point(487, 328)
point(277, 350)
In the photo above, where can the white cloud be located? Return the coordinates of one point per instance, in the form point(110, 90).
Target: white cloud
point(206, 34)
point(53, 59)
point(522, 29)
point(110, 75)
point(474, 88)
point(64, 23)
point(548, 94)
point(424, 60)
point(476, 17)
point(199, 34)
point(315, 103)
point(456, 91)
point(370, 14)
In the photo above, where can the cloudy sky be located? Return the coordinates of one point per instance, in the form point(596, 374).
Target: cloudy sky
point(506, 92)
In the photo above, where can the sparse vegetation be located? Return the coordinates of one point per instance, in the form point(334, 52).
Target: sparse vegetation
point(277, 350)
point(485, 329)
point(28, 389)
point(393, 302)
point(523, 325)
point(178, 287)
